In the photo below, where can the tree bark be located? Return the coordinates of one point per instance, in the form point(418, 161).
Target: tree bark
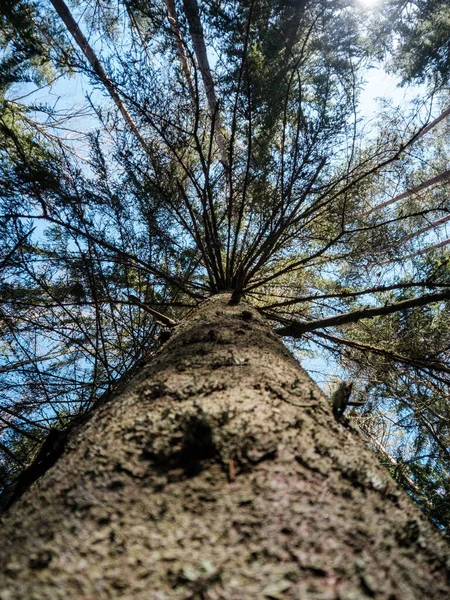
point(175, 29)
point(219, 473)
point(198, 41)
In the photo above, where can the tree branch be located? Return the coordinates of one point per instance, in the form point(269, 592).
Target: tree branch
point(167, 321)
point(418, 188)
point(72, 26)
point(346, 294)
point(21, 240)
point(297, 329)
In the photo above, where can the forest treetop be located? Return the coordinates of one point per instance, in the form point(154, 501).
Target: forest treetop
point(223, 148)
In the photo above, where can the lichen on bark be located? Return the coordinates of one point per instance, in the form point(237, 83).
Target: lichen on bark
point(219, 473)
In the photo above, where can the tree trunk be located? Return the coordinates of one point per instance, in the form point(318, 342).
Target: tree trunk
point(198, 42)
point(175, 29)
point(219, 473)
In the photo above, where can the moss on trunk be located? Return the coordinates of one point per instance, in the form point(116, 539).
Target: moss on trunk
point(219, 473)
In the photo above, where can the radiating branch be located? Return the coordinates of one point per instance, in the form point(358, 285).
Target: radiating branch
point(297, 329)
point(166, 321)
point(445, 176)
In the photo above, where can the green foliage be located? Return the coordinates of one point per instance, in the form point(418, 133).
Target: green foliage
point(405, 385)
point(26, 40)
point(418, 34)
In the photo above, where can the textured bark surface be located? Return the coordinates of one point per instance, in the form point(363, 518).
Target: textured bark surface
point(219, 473)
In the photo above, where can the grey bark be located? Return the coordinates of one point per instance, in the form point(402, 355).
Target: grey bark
point(219, 473)
point(198, 42)
point(175, 29)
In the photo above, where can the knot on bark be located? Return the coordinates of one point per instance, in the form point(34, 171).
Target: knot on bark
point(246, 315)
point(190, 445)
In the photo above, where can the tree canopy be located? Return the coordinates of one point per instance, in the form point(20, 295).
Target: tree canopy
point(223, 146)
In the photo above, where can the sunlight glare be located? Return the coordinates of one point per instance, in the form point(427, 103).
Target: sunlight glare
point(368, 3)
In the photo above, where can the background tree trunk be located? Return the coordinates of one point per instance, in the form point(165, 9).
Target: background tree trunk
point(219, 473)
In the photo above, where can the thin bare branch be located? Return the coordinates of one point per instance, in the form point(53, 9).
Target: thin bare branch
point(445, 176)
